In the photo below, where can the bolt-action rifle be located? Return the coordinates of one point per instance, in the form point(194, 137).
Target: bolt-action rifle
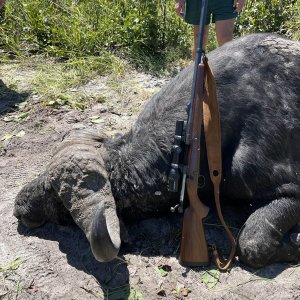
point(203, 107)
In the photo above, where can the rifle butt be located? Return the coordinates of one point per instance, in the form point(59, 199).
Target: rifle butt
point(193, 248)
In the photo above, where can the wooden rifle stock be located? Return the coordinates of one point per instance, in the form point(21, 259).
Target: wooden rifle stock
point(193, 250)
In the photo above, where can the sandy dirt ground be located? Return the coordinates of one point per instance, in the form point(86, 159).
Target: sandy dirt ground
point(55, 262)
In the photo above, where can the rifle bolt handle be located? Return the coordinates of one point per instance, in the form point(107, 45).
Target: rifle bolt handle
point(173, 208)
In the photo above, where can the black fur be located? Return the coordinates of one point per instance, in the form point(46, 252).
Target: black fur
point(258, 86)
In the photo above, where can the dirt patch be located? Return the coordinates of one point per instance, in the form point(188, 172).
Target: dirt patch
point(55, 262)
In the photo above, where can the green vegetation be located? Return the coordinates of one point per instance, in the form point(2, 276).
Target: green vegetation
point(14, 265)
point(146, 33)
point(54, 82)
point(70, 42)
point(281, 16)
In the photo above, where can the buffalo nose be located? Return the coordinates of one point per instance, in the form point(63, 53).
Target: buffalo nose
point(17, 214)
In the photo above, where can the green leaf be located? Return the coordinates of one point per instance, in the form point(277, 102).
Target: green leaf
point(79, 105)
point(20, 133)
point(14, 265)
point(21, 104)
point(95, 119)
point(210, 278)
point(123, 292)
point(51, 103)
point(7, 119)
point(60, 101)
point(19, 286)
point(135, 294)
point(22, 116)
point(65, 97)
point(163, 270)
point(7, 137)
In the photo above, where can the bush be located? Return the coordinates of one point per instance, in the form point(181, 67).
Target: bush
point(267, 16)
point(69, 28)
point(147, 32)
point(292, 26)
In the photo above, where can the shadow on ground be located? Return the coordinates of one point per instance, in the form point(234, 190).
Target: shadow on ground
point(150, 237)
point(10, 98)
point(113, 277)
point(147, 238)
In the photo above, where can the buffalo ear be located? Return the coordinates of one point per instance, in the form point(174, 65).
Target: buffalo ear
point(105, 234)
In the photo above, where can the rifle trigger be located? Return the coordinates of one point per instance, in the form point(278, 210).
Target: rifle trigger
point(188, 107)
point(178, 207)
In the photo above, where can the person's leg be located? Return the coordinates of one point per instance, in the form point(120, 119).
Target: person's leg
point(224, 31)
point(205, 38)
point(192, 16)
point(2, 2)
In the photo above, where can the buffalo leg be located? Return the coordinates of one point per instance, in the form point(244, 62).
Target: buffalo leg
point(265, 237)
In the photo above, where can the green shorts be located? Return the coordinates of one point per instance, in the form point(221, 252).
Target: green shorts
point(217, 10)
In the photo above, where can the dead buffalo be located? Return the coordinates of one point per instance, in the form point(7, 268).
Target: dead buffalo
point(99, 181)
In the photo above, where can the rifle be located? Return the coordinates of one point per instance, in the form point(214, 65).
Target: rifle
point(194, 250)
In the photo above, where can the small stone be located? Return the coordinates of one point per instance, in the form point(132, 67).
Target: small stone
point(162, 293)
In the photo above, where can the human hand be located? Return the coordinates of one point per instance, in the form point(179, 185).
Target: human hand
point(179, 7)
point(239, 5)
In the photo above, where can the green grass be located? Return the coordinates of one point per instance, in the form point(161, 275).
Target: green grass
point(140, 31)
point(147, 34)
point(54, 81)
point(279, 16)
point(59, 83)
